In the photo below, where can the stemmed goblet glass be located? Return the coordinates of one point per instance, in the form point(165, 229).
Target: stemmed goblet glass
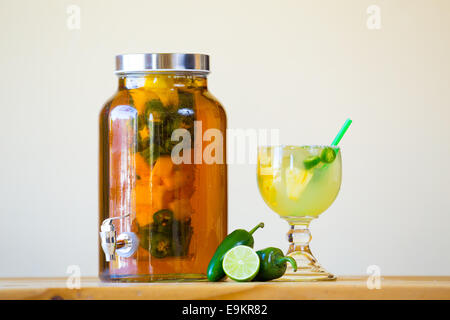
point(299, 183)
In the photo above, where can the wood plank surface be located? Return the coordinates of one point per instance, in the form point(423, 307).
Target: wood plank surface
point(343, 288)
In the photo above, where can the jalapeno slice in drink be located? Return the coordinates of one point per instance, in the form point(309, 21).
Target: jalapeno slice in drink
point(161, 245)
point(162, 220)
point(328, 155)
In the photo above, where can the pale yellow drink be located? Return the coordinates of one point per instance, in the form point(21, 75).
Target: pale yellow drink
point(292, 186)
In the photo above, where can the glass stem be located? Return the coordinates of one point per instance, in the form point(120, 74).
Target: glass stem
point(299, 238)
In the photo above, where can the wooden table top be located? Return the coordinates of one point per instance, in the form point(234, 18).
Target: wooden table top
point(343, 288)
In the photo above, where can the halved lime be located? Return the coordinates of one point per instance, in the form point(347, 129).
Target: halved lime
point(241, 263)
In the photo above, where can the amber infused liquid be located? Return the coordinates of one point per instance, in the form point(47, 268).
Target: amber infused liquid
point(178, 210)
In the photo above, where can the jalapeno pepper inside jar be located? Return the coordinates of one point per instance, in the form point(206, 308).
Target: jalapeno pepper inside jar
point(154, 179)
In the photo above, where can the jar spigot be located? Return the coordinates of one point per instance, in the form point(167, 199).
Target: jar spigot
point(125, 244)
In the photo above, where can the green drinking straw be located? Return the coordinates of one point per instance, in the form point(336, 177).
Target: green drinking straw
point(341, 133)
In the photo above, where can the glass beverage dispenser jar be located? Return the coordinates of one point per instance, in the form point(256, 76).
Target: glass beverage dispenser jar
point(163, 174)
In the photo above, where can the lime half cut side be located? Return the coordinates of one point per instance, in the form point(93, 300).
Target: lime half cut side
point(241, 263)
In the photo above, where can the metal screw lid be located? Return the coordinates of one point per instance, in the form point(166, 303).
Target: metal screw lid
point(160, 62)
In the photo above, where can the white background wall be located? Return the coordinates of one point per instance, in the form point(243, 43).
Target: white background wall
point(302, 66)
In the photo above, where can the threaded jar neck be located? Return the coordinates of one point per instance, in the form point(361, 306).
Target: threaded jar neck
point(186, 80)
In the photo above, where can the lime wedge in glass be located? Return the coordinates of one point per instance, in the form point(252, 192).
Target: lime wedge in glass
point(241, 263)
point(311, 162)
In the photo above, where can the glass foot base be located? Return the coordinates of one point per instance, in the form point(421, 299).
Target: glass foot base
point(312, 271)
point(309, 272)
point(305, 276)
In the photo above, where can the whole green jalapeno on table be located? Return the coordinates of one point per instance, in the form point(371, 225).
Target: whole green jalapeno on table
point(273, 264)
point(237, 237)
